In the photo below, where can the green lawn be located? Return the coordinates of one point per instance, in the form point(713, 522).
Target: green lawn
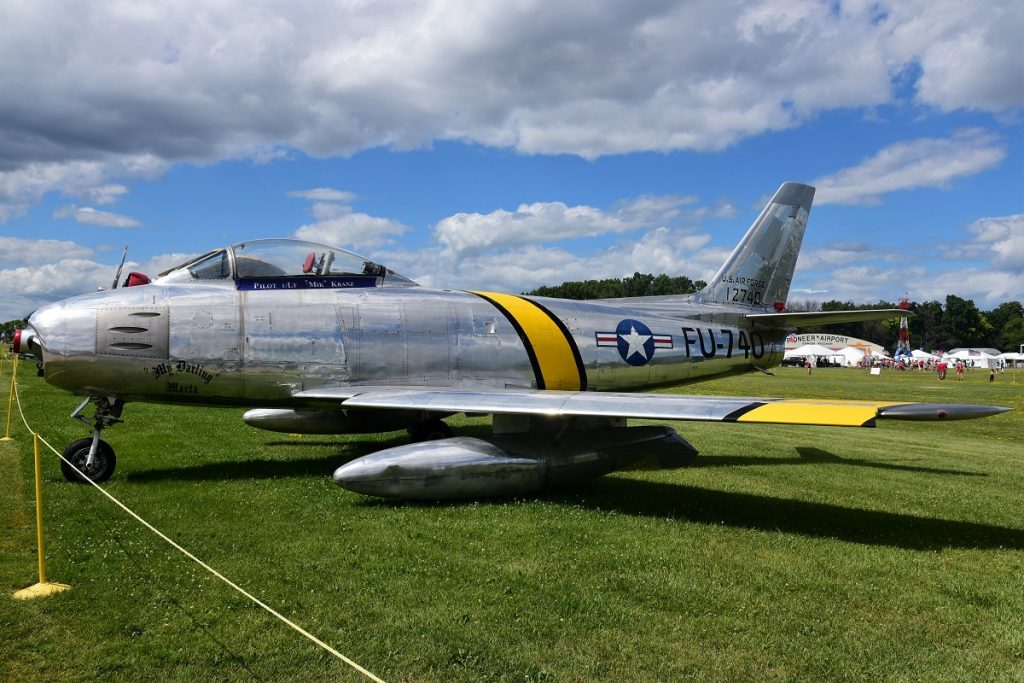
point(784, 553)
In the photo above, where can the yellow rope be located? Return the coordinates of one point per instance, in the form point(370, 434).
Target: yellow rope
point(202, 564)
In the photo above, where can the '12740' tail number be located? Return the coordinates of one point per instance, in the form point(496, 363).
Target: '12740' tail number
point(741, 295)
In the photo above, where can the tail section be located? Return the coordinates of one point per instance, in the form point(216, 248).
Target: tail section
point(760, 269)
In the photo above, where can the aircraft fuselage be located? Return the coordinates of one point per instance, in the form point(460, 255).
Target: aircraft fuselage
point(218, 344)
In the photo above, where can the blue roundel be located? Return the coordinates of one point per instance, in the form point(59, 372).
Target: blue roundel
point(635, 342)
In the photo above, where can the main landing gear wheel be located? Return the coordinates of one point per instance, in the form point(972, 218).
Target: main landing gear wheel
point(103, 463)
point(430, 430)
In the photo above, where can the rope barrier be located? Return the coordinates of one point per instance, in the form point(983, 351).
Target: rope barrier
point(10, 399)
point(208, 568)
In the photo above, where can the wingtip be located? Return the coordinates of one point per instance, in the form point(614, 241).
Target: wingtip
point(939, 411)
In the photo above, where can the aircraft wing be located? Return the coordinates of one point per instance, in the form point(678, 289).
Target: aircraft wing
point(643, 406)
point(806, 319)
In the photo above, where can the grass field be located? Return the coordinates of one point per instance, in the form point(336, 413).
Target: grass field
point(785, 553)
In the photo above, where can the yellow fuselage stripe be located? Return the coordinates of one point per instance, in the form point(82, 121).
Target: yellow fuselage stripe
point(553, 351)
point(812, 412)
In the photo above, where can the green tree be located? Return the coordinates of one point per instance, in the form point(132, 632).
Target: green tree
point(927, 330)
point(1000, 317)
point(965, 322)
point(1013, 334)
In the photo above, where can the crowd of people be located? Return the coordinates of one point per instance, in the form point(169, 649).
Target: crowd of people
point(937, 365)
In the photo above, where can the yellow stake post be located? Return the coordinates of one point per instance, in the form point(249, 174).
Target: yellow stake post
point(10, 398)
point(42, 588)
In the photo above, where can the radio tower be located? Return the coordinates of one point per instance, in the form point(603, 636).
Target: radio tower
point(903, 344)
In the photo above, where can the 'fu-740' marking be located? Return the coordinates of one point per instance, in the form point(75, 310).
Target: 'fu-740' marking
point(727, 340)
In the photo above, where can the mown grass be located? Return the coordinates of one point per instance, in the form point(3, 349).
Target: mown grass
point(785, 553)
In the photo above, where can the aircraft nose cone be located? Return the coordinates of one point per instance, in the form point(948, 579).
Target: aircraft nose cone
point(63, 332)
point(48, 323)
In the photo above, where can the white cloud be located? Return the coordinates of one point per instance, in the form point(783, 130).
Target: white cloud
point(17, 251)
point(323, 211)
point(839, 254)
point(968, 54)
point(200, 82)
point(38, 272)
point(926, 162)
point(358, 231)
point(523, 267)
point(550, 222)
point(984, 263)
point(155, 265)
point(1001, 240)
point(338, 225)
point(27, 288)
point(107, 194)
point(87, 214)
point(325, 194)
point(28, 182)
point(988, 288)
point(721, 209)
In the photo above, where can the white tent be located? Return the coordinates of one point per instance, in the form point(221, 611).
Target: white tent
point(1011, 358)
point(809, 350)
point(852, 356)
point(973, 358)
point(918, 354)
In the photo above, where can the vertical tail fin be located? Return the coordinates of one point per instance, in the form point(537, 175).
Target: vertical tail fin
point(760, 269)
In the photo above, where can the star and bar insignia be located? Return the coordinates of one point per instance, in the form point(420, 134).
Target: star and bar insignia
point(634, 340)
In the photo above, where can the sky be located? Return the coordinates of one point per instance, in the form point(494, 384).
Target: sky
point(509, 145)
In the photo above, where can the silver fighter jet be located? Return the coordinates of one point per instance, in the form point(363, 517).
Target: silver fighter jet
point(318, 340)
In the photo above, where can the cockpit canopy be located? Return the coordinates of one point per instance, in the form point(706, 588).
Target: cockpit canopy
point(270, 259)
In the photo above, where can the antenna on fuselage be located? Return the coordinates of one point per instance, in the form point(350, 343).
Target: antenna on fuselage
point(120, 268)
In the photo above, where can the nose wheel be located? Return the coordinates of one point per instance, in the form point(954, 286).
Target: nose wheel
point(76, 466)
point(92, 458)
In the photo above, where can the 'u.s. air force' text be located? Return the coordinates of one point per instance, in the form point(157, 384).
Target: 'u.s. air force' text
point(748, 290)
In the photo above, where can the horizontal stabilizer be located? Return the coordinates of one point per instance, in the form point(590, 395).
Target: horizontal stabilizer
point(643, 406)
point(806, 319)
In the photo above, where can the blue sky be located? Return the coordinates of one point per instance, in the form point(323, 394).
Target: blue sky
point(513, 145)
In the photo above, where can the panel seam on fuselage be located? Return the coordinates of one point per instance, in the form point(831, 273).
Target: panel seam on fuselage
point(530, 352)
point(554, 356)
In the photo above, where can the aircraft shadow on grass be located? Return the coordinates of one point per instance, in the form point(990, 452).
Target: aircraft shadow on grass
point(679, 502)
point(806, 518)
point(816, 456)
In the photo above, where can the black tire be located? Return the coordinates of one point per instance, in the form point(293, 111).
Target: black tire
point(78, 452)
point(430, 430)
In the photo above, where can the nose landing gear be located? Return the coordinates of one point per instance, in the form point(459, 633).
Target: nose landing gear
point(92, 458)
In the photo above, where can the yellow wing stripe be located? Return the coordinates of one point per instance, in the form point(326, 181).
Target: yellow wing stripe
point(812, 412)
point(556, 362)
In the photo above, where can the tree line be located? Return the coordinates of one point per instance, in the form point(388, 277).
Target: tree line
point(637, 284)
point(934, 325)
